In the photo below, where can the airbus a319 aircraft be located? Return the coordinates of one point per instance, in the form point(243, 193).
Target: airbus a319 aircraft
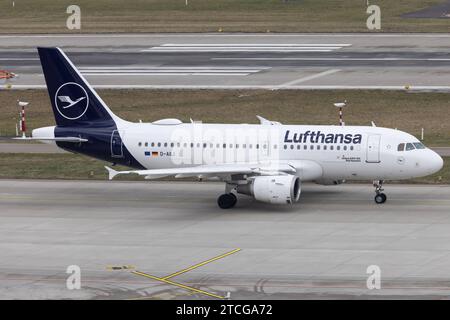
point(267, 161)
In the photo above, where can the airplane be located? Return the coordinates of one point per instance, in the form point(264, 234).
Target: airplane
point(268, 161)
point(6, 75)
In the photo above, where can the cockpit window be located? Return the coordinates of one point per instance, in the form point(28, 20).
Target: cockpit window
point(419, 145)
point(409, 146)
point(401, 147)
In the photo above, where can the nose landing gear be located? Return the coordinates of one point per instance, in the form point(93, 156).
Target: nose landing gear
point(380, 197)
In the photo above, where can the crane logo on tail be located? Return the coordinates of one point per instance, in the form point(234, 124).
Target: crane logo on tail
point(71, 100)
point(68, 100)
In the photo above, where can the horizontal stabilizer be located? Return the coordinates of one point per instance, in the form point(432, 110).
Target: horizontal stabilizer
point(111, 172)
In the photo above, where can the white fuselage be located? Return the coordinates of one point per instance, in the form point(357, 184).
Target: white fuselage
point(335, 152)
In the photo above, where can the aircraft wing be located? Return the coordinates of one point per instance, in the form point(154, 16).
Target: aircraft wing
point(62, 139)
point(210, 171)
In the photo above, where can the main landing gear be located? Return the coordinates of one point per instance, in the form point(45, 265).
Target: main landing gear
point(227, 200)
point(380, 197)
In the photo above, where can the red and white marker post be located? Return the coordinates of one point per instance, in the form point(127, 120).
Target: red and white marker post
point(22, 124)
point(341, 105)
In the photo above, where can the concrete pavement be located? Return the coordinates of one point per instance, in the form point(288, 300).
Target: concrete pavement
point(320, 247)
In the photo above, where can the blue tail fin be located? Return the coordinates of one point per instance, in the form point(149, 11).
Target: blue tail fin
point(74, 101)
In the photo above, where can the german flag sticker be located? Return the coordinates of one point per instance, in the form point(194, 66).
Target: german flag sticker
point(151, 154)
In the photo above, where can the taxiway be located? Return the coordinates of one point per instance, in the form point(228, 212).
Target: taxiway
point(320, 247)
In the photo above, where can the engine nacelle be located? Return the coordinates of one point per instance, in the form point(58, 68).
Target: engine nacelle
point(273, 189)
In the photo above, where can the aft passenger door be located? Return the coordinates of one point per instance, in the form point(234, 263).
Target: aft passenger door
point(373, 148)
point(116, 145)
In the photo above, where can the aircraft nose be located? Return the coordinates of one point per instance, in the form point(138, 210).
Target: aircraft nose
point(435, 162)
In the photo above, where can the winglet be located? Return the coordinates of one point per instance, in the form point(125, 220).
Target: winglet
point(111, 173)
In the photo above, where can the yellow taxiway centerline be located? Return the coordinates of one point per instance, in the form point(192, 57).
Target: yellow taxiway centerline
point(177, 284)
point(201, 264)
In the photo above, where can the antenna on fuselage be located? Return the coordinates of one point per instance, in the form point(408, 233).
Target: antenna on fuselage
point(341, 105)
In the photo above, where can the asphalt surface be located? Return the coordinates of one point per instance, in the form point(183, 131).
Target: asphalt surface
point(318, 248)
point(271, 61)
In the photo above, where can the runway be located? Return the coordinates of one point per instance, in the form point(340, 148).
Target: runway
point(241, 61)
point(318, 248)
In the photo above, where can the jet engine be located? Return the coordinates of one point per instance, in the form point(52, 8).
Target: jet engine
point(273, 189)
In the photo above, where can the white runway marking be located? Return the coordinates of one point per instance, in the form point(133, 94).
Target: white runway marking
point(164, 74)
point(170, 71)
point(19, 59)
point(262, 44)
point(308, 78)
point(261, 47)
point(331, 59)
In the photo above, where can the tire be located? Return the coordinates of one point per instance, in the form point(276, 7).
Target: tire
point(226, 201)
point(380, 198)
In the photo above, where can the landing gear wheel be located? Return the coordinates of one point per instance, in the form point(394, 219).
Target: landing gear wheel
point(227, 201)
point(380, 198)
